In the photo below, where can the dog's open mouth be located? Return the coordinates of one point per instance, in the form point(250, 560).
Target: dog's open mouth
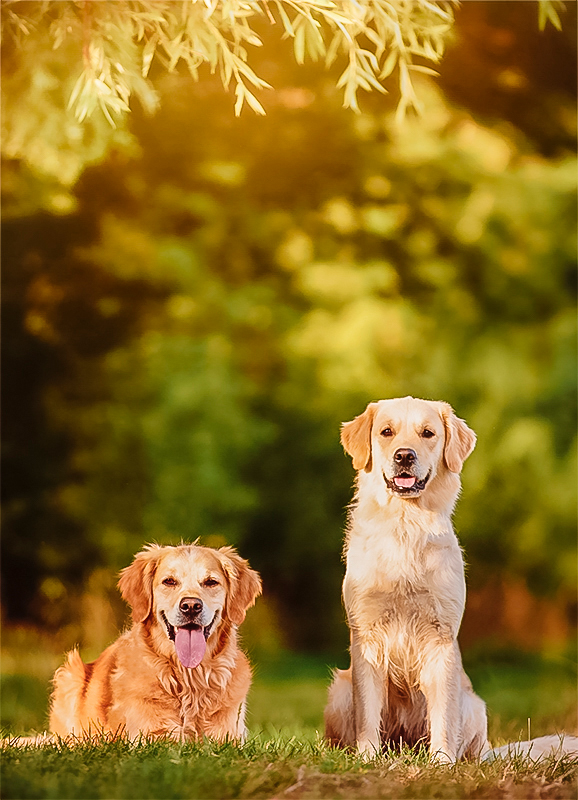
point(406, 484)
point(190, 641)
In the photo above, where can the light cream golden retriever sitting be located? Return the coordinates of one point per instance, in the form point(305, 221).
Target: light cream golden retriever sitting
point(178, 671)
point(404, 587)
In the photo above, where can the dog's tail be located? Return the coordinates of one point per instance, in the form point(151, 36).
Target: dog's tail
point(557, 746)
point(70, 683)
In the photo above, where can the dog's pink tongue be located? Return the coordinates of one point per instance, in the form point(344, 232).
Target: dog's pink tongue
point(190, 645)
point(405, 483)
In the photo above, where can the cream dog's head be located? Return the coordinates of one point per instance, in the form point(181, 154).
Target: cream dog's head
point(186, 593)
point(405, 443)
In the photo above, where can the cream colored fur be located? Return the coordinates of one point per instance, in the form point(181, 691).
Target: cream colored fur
point(553, 746)
point(404, 588)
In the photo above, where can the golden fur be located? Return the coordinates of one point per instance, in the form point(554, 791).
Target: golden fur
point(139, 685)
point(404, 587)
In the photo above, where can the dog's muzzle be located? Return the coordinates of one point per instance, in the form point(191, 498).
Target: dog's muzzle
point(405, 484)
point(172, 629)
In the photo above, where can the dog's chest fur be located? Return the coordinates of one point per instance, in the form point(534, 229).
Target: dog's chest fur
point(404, 581)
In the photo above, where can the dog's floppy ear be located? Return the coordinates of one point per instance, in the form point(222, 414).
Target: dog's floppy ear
point(245, 584)
point(356, 438)
point(460, 439)
point(136, 583)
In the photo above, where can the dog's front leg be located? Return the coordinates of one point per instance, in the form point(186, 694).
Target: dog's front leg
point(440, 684)
point(228, 725)
point(368, 697)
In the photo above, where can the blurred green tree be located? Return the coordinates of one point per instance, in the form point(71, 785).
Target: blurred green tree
point(207, 306)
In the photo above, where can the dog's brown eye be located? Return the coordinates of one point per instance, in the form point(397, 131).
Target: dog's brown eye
point(210, 582)
point(387, 432)
point(427, 434)
point(169, 582)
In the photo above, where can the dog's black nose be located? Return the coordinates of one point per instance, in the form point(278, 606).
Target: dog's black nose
point(191, 605)
point(405, 456)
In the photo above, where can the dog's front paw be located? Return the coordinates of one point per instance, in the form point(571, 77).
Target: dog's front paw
point(367, 749)
point(441, 757)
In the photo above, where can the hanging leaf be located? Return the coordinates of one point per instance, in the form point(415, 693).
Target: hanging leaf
point(121, 39)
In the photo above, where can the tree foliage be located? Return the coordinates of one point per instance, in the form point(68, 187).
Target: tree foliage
point(119, 42)
point(185, 335)
point(274, 307)
point(71, 68)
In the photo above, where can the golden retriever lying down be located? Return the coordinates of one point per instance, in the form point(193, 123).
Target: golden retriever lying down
point(404, 587)
point(178, 671)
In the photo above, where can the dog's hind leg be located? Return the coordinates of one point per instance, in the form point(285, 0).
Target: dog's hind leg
point(474, 722)
point(339, 718)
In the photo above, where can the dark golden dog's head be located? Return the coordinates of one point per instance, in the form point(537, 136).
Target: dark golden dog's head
point(188, 592)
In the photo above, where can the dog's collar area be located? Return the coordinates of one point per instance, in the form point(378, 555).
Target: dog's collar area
point(405, 486)
point(171, 630)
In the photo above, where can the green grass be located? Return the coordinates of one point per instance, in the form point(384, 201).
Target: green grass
point(285, 755)
point(264, 768)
